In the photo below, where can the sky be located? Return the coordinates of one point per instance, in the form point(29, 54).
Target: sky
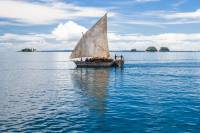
point(132, 24)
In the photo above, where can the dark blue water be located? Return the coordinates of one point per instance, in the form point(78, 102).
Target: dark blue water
point(154, 92)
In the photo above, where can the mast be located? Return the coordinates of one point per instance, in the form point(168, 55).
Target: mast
point(94, 42)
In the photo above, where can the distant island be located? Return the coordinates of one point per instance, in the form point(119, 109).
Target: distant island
point(28, 50)
point(151, 49)
point(164, 49)
point(154, 49)
point(133, 50)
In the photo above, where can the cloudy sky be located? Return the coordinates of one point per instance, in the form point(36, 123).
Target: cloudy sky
point(58, 24)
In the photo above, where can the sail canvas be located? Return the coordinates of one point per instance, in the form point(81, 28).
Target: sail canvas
point(94, 42)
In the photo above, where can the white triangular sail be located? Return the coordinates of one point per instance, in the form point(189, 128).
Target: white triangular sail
point(94, 43)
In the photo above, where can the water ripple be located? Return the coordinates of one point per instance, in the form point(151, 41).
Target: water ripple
point(45, 93)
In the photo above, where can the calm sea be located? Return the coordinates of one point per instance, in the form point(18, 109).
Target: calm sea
point(154, 92)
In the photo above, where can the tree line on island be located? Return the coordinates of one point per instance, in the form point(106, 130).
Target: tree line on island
point(154, 49)
point(28, 50)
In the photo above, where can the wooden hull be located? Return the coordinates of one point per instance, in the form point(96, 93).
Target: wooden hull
point(93, 64)
point(84, 64)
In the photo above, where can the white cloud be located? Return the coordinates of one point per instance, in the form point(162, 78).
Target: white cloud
point(175, 41)
point(163, 18)
point(161, 24)
point(19, 41)
point(145, 1)
point(172, 15)
point(3, 23)
point(179, 3)
point(38, 41)
point(147, 23)
point(68, 31)
point(46, 13)
point(184, 15)
point(21, 37)
point(66, 36)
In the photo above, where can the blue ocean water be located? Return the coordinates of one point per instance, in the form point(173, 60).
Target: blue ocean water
point(154, 92)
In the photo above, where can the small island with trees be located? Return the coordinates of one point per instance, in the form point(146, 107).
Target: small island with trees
point(154, 49)
point(151, 49)
point(28, 50)
point(164, 49)
point(133, 50)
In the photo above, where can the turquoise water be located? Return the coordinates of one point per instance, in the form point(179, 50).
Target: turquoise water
point(154, 92)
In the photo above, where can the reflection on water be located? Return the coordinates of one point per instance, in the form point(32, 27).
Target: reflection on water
point(155, 92)
point(94, 84)
point(93, 81)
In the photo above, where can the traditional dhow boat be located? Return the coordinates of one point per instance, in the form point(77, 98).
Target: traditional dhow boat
point(92, 49)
